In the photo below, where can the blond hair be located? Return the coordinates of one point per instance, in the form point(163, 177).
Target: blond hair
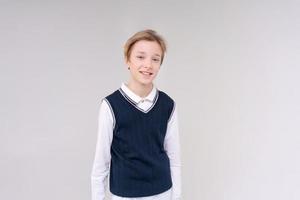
point(148, 35)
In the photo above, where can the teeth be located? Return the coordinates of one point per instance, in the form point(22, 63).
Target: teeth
point(146, 73)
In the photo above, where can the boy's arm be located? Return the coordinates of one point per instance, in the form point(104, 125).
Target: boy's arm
point(102, 158)
point(172, 147)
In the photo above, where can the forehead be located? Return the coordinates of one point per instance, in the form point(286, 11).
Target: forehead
point(148, 47)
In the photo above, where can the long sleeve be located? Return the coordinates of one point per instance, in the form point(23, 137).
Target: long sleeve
point(102, 158)
point(172, 147)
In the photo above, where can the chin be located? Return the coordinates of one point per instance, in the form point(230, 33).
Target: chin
point(146, 82)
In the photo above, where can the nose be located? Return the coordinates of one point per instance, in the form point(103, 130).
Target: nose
point(148, 63)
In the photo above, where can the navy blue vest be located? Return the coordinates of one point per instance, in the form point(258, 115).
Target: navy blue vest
point(139, 163)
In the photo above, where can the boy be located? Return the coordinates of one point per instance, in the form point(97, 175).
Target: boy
point(138, 140)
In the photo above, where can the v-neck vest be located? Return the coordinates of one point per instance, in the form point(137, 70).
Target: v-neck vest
point(139, 163)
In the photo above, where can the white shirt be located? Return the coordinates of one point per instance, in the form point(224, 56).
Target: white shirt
point(102, 159)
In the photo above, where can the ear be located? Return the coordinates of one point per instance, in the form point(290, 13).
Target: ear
point(126, 62)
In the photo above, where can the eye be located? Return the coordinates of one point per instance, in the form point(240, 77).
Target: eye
point(156, 59)
point(140, 57)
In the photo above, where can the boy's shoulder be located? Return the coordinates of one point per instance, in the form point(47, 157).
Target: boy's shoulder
point(111, 94)
point(165, 95)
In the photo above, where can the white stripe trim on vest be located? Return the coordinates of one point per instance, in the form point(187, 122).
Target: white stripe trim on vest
point(132, 102)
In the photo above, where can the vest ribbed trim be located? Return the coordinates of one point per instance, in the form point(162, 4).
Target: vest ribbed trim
point(172, 112)
point(132, 102)
point(112, 112)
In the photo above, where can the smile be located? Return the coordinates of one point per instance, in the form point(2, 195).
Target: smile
point(146, 73)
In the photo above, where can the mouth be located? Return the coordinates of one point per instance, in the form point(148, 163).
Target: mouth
point(146, 73)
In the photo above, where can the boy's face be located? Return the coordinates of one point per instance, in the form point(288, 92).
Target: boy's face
point(144, 61)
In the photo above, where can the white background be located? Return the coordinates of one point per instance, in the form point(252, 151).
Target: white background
point(233, 68)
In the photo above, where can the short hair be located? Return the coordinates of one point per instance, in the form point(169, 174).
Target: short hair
point(148, 35)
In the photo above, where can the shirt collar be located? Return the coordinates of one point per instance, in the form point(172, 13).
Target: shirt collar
point(136, 98)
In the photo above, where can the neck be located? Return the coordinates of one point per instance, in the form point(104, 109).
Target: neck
point(140, 89)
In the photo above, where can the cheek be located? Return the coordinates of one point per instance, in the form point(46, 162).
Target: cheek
point(157, 68)
point(155, 71)
point(133, 65)
point(136, 63)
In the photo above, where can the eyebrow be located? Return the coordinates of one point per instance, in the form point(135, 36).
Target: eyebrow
point(142, 52)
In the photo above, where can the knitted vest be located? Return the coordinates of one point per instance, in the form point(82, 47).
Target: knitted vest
point(139, 163)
